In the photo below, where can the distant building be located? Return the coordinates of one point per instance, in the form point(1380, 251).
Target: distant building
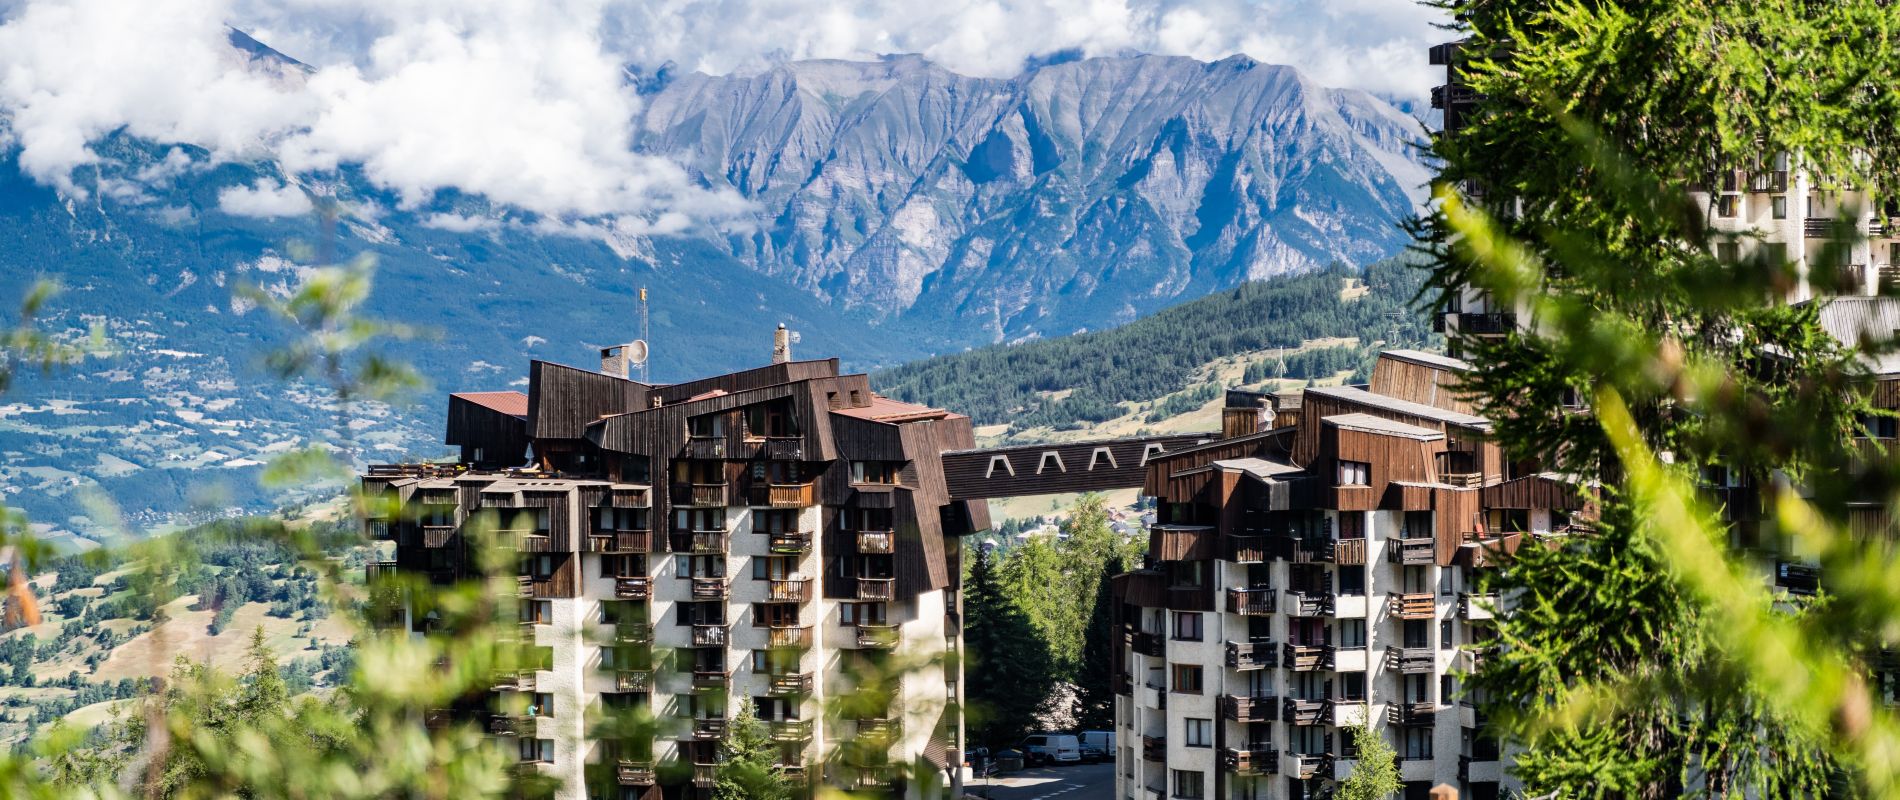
point(775, 532)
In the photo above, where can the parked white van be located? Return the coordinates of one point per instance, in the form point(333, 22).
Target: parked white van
point(1103, 741)
point(1051, 748)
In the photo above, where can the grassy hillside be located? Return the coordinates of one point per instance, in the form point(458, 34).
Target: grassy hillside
point(1292, 326)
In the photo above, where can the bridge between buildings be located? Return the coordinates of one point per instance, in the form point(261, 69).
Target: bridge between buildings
point(1059, 467)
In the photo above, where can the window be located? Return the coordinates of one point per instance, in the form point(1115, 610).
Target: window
point(884, 472)
point(1728, 252)
point(1445, 641)
point(1778, 206)
point(699, 519)
point(1352, 580)
point(1728, 205)
point(1200, 732)
point(1352, 687)
point(542, 705)
point(706, 425)
point(1352, 633)
point(1187, 626)
point(699, 566)
point(539, 567)
point(1417, 744)
point(1189, 784)
point(776, 615)
point(780, 521)
point(861, 613)
point(1447, 688)
point(1352, 525)
point(772, 568)
point(538, 612)
point(622, 566)
point(1354, 473)
point(1414, 633)
point(1187, 678)
point(541, 750)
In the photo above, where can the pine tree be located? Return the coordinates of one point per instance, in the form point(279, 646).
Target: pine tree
point(1375, 775)
point(1094, 688)
point(748, 768)
point(1009, 673)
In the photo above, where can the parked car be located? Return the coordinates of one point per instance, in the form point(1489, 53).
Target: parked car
point(1092, 754)
point(1101, 740)
point(1051, 748)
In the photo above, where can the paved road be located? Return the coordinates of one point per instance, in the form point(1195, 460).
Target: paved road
point(1081, 782)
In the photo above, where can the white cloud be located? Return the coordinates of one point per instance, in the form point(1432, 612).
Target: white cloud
point(459, 223)
point(527, 102)
point(266, 199)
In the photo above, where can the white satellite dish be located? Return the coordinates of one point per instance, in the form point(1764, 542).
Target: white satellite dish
point(637, 351)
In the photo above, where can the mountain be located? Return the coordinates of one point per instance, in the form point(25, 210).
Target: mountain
point(901, 211)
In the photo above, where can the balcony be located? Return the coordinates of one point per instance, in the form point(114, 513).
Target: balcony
point(877, 729)
point(514, 681)
point(783, 495)
point(705, 775)
point(700, 494)
point(877, 637)
point(1799, 579)
point(1154, 748)
point(620, 542)
point(375, 571)
point(1250, 602)
point(709, 728)
point(1309, 604)
point(799, 637)
point(1307, 766)
point(711, 588)
point(1251, 655)
point(1306, 549)
point(1473, 607)
point(710, 635)
point(434, 536)
point(1414, 551)
point(1418, 714)
point(1124, 685)
point(633, 633)
point(1417, 605)
point(1250, 762)
point(1249, 709)
point(789, 684)
point(1774, 181)
point(790, 590)
point(1145, 643)
point(633, 587)
point(1410, 659)
point(633, 680)
point(793, 543)
point(790, 730)
point(632, 772)
point(876, 588)
point(711, 679)
point(511, 725)
point(1306, 712)
point(1487, 324)
point(706, 447)
point(705, 542)
point(875, 542)
point(1249, 549)
point(1307, 658)
point(1349, 552)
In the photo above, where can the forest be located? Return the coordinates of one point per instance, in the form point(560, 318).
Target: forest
point(1158, 355)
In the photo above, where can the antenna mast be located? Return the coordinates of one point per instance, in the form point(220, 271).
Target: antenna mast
point(643, 336)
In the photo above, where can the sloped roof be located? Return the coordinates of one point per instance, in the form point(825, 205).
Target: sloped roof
point(1355, 394)
point(1259, 467)
point(1370, 424)
point(1862, 321)
point(884, 409)
point(514, 404)
point(1438, 360)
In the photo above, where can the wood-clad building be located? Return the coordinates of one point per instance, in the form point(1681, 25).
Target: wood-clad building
point(777, 531)
point(1318, 560)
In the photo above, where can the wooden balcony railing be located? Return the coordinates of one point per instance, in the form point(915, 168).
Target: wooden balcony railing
point(791, 730)
point(526, 540)
point(1307, 766)
point(1309, 604)
point(875, 542)
point(437, 535)
point(1410, 659)
point(876, 588)
point(1349, 552)
point(790, 590)
point(709, 728)
point(1474, 606)
point(1147, 644)
point(1411, 713)
point(1249, 549)
point(633, 587)
point(633, 633)
point(705, 679)
point(705, 542)
point(631, 772)
point(710, 635)
point(1771, 181)
point(706, 447)
point(791, 543)
point(1250, 602)
point(633, 680)
point(783, 495)
point(705, 776)
point(1418, 605)
point(789, 684)
point(702, 494)
point(1154, 748)
point(1249, 708)
point(1418, 550)
point(511, 725)
point(877, 637)
point(711, 588)
point(1306, 549)
point(514, 681)
point(1251, 761)
point(877, 729)
point(378, 570)
point(788, 637)
point(1306, 712)
point(1307, 658)
point(628, 541)
point(1252, 655)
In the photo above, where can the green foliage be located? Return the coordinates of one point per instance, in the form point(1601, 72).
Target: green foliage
point(1157, 355)
point(1048, 577)
point(1649, 660)
point(748, 768)
point(1005, 648)
point(1375, 773)
point(1180, 403)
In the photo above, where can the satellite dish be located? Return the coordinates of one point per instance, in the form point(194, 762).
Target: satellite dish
point(637, 351)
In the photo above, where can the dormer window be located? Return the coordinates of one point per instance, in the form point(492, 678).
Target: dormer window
point(1355, 473)
point(706, 425)
point(880, 472)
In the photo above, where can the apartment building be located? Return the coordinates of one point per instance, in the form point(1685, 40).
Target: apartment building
point(1314, 569)
point(774, 534)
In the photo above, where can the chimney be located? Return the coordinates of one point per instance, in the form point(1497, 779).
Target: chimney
point(781, 345)
point(613, 361)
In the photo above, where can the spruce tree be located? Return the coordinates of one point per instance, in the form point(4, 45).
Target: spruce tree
point(1009, 673)
point(1375, 773)
point(748, 764)
point(1094, 689)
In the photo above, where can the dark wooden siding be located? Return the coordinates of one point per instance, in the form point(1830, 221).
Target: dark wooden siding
point(1031, 473)
point(562, 400)
point(502, 438)
point(1432, 385)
